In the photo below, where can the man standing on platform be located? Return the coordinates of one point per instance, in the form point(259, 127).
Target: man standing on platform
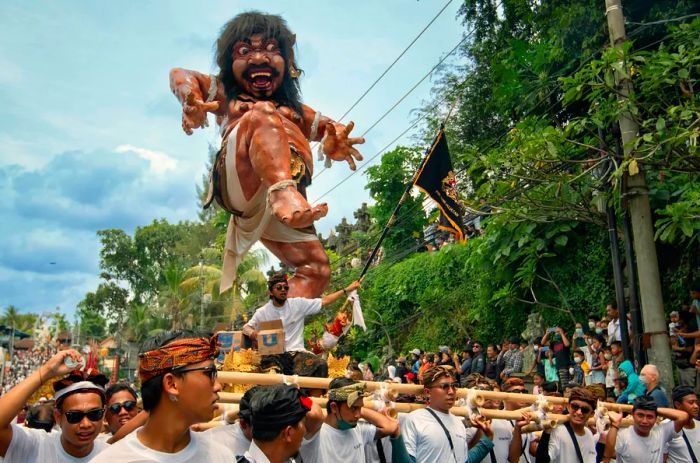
point(292, 311)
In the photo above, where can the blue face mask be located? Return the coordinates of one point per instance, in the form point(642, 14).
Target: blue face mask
point(599, 330)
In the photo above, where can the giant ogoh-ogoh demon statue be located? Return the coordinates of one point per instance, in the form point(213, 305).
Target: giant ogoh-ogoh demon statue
point(265, 162)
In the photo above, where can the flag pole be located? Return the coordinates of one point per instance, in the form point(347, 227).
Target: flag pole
point(394, 214)
point(392, 219)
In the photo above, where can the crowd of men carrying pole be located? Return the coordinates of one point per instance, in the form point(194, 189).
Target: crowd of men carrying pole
point(280, 423)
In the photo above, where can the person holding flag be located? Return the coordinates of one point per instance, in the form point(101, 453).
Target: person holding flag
point(295, 360)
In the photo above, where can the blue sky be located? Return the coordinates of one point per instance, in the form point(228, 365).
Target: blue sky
point(90, 135)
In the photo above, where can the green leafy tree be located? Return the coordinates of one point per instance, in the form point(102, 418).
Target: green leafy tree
point(109, 300)
point(386, 183)
point(92, 324)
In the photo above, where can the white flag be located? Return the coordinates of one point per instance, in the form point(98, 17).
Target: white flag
point(357, 317)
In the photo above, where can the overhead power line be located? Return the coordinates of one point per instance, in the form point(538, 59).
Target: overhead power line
point(394, 62)
point(381, 76)
point(405, 95)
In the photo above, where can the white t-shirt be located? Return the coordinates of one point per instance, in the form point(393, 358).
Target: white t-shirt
point(36, 445)
point(292, 314)
point(255, 455)
point(633, 448)
point(104, 437)
point(614, 332)
point(230, 436)
point(426, 440)
point(371, 452)
point(502, 437)
point(131, 450)
point(333, 445)
point(678, 450)
point(561, 447)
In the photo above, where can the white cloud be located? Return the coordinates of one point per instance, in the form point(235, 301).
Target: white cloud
point(160, 162)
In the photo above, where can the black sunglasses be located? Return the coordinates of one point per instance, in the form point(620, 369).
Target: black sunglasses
point(127, 404)
point(210, 371)
point(76, 416)
point(447, 386)
point(584, 408)
point(281, 286)
point(518, 391)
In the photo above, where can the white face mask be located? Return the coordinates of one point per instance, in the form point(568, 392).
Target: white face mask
point(644, 380)
point(578, 359)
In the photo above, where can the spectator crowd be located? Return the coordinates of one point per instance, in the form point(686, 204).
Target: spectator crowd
point(21, 364)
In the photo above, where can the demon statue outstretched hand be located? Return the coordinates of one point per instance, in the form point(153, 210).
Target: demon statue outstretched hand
point(265, 162)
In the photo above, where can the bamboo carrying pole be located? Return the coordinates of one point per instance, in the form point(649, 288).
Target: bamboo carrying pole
point(229, 401)
point(228, 397)
point(232, 377)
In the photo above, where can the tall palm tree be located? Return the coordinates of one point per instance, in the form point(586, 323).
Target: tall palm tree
point(250, 284)
point(172, 299)
point(144, 321)
point(10, 316)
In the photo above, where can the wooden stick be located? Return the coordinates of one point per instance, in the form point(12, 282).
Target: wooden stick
point(618, 407)
point(234, 377)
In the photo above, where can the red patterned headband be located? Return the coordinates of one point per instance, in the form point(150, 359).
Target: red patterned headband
point(179, 353)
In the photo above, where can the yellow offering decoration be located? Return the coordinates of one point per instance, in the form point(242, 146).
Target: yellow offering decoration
point(245, 361)
point(337, 366)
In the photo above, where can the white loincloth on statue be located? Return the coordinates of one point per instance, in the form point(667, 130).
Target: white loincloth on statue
point(255, 222)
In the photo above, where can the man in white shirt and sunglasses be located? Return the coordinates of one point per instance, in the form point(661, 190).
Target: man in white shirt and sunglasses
point(121, 406)
point(79, 411)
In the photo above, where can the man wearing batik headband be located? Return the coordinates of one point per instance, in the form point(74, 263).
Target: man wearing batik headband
point(292, 311)
point(433, 434)
point(79, 411)
point(558, 445)
point(343, 436)
point(178, 388)
point(686, 446)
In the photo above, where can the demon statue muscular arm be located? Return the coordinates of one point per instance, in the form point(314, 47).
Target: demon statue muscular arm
point(265, 162)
